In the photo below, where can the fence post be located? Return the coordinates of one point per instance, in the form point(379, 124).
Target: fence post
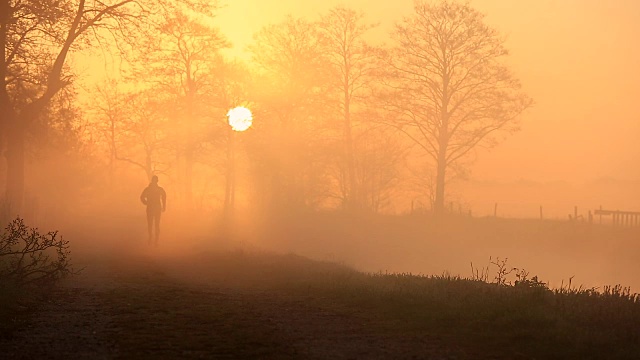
point(495, 210)
point(600, 214)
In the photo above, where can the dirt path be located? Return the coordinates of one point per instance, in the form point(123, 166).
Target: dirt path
point(136, 308)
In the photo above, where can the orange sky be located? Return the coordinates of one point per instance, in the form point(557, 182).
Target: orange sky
point(578, 59)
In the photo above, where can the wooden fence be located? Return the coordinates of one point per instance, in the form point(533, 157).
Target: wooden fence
point(616, 218)
point(620, 218)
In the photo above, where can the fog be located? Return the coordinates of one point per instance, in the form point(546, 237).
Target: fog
point(354, 183)
point(575, 59)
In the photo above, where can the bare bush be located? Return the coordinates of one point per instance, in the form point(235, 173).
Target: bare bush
point(30, 258)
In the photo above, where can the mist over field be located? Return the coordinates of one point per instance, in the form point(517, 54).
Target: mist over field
point(336, 179)
point(417, 137)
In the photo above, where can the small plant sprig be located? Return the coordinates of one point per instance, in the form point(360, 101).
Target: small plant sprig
point(502, 275)
point(480, 274)
point(503, 271)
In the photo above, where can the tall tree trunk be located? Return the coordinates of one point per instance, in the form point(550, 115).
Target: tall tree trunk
point(7, 115)
point(188, 178)
point(112, 153)
point(148, 164)
point(438, 206)
point(229, 194)
point(16, 125)
point(190, 146)
point(353, 200)
point(15, 165)
point(443, 139)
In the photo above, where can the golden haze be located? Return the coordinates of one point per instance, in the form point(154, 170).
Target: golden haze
point(575, 58)
point(577, 146)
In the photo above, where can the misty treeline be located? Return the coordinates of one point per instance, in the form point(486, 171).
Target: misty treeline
point(342, 120)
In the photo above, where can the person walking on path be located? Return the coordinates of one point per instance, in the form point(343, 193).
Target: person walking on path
point(155, 198)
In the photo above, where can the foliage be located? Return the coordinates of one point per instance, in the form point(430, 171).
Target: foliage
point(40, 34)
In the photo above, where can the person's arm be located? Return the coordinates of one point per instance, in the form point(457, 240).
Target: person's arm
point(143, 196)
point(164, 200)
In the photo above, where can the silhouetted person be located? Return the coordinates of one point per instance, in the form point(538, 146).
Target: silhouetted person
point(156, 200)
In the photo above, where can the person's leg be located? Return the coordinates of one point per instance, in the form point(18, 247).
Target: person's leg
point(157, 223)
point(150, 224)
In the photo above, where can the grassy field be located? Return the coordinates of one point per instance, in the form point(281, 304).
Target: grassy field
point(231, 304)
point(526, 319)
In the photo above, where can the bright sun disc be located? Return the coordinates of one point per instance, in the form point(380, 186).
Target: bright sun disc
point(240, 118)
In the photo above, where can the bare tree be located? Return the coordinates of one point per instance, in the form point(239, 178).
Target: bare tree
point(354, 65)
point(35, 40)
point(178, 59)
point(230, 87)
point(293, 110)
point(380, 155)
point(147, 132)
point(109, 106)
point(450, 91)
point(135, 128)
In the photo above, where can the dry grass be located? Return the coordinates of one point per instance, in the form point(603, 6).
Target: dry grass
point(497, 312)
point(525, 318)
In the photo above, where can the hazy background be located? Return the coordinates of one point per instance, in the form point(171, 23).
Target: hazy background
point(577, 59)
point(577, 146)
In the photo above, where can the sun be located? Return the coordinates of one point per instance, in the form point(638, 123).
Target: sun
point(240, 118)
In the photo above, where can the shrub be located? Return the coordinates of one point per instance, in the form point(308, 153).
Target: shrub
point(28, 257)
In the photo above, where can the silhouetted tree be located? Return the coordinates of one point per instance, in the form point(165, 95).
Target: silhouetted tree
point(109, 107)
point(135, 128)
point(354, 65)
point(450, 90)
point(60, 164)
point(292, 100)
point(230, 87)
point(380, 156)
point(176, 58)
point(36, 38)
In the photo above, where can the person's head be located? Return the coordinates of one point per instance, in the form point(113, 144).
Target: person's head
point(154, 179)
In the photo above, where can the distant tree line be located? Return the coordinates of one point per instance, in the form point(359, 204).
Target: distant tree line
point(340, 122)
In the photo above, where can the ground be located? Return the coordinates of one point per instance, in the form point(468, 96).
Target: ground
point(201, 297)
point(144, 306)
